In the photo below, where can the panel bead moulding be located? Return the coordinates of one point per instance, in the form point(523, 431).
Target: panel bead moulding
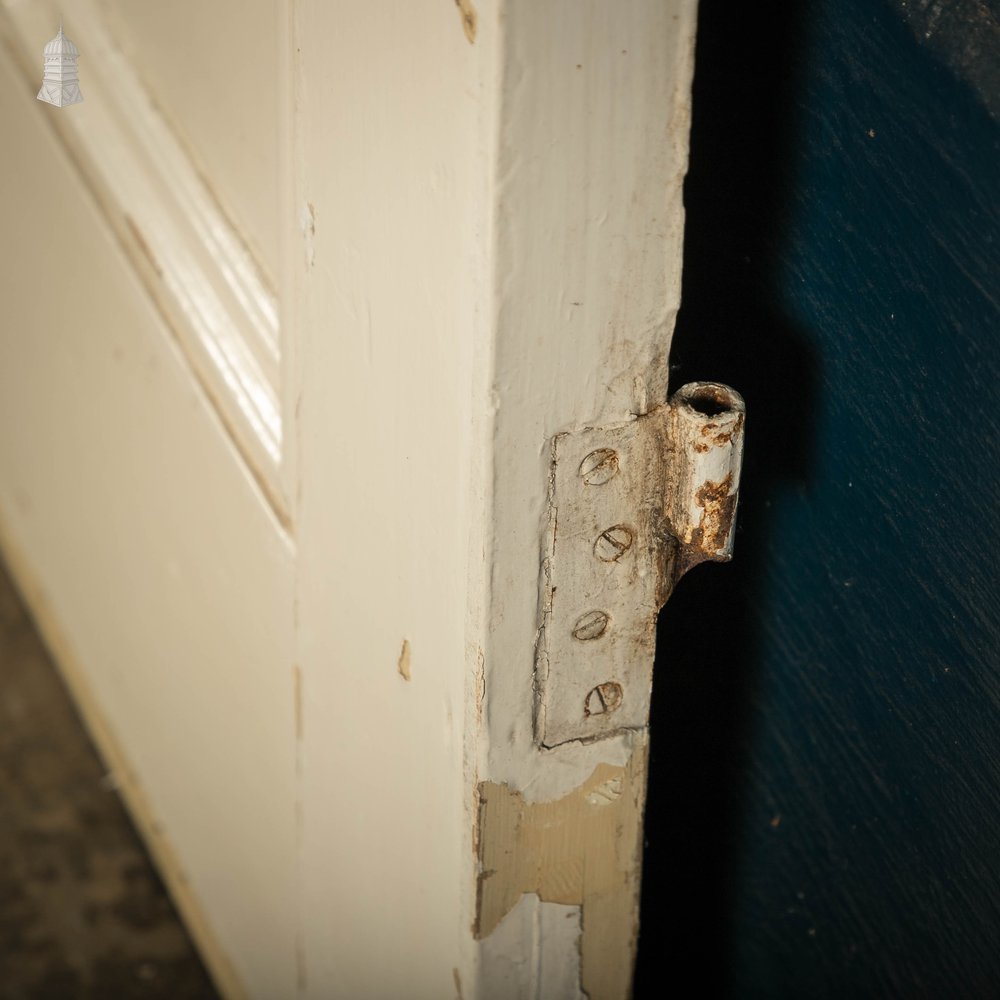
point(215, 297)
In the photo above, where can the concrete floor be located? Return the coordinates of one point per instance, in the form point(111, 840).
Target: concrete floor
point(83, 913)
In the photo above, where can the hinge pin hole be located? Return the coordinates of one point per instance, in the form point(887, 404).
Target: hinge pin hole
point(612, 544)
point(604, 698)
point(592, 625)
point(710, 399)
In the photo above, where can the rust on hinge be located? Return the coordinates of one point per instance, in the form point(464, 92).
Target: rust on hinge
point(637, 505)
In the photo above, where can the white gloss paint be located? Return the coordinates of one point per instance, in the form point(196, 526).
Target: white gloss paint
point(197, 266)
point(212, 66)
point(396, 181)
point(155, 567)
point(478, 247)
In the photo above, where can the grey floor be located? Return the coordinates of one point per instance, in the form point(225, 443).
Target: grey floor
point(82, 911)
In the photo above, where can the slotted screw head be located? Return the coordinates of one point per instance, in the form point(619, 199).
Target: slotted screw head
point(592, 625)
point(612, 544)
point(604, 698)
point(599, 467)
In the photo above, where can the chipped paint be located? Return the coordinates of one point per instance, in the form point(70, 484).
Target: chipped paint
point(607, 792)
point(581, 849)
point(403, 666)
point(470, 19)
point(718, 504)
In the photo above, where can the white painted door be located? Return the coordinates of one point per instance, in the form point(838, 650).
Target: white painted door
point(295, 303)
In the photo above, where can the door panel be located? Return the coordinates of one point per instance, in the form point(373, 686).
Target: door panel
point(219, 304)
point(148, 545)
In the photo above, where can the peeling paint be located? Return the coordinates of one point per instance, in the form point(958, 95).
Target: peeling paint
point(581, 849)
point(607, 792)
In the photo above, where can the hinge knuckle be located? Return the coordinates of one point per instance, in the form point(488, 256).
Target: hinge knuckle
point(707, 454)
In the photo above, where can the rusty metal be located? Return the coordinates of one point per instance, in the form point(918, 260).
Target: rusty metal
point(667, 483)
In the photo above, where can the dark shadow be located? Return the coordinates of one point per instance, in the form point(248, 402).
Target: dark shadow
point(731, 329)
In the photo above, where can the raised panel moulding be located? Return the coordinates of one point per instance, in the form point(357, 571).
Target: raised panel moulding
point(212, 292)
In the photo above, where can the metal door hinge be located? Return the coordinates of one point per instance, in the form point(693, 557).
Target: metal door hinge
point(632, 508)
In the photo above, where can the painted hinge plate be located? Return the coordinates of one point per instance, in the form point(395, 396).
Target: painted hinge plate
point(632, 507)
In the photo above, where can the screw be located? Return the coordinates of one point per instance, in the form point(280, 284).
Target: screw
point(592, 625)
point(599, 467)
point(612, 544)
point(604, 698)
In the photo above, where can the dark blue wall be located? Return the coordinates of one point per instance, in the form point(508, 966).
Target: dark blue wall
point(824, 811)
